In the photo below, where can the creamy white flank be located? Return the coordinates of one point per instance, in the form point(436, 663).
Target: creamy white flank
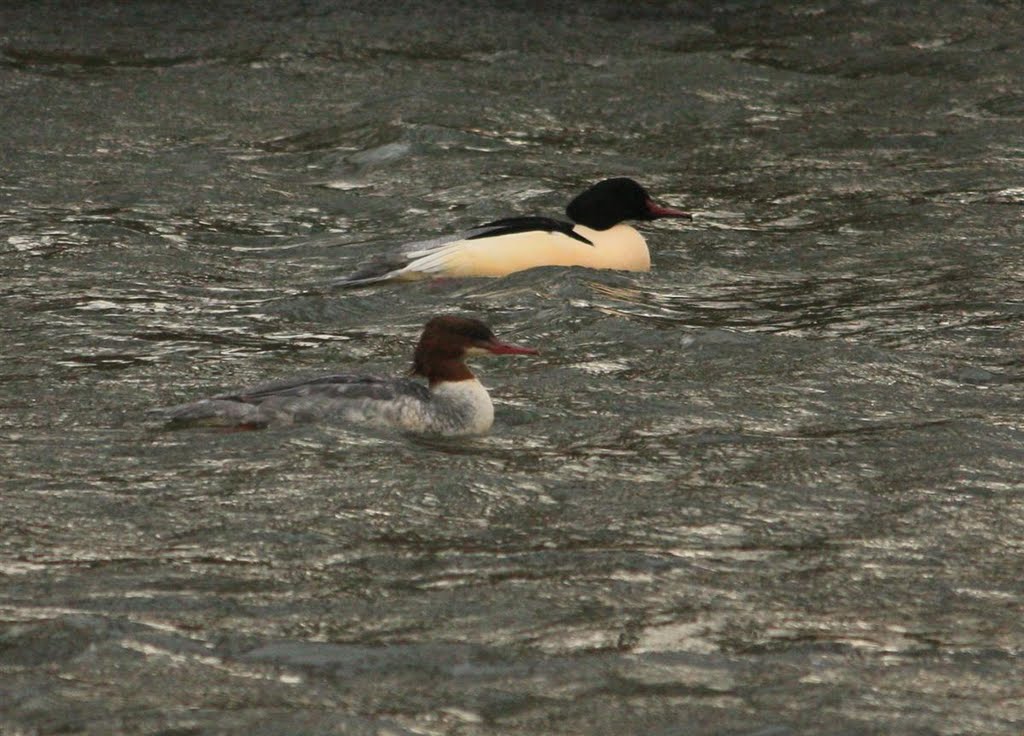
point(620, 247)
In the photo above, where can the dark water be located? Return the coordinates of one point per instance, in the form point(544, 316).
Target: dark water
point(773, 487)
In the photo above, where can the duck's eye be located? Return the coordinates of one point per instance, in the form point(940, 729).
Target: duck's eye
point(478, 333)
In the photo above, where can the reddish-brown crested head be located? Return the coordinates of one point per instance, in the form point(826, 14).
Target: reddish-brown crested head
point(445, 343)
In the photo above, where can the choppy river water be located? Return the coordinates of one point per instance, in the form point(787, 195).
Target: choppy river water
point(772, 487)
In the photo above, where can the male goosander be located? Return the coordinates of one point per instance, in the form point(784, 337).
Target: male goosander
point(596, 238)
point(454, 403)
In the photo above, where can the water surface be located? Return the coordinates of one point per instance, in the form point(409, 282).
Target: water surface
point(772, 487)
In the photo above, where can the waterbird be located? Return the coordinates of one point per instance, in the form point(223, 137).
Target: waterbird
point(452, 403)
point(597, 237)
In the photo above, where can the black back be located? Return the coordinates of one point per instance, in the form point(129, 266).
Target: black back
point(510, 225)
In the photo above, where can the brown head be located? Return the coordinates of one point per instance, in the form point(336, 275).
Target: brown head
point(445, 343)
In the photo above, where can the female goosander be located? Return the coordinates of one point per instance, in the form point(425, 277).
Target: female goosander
point(596, 238)
point(454, 403)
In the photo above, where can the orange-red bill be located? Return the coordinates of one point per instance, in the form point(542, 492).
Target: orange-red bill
point(657, 210)
point(508, 348)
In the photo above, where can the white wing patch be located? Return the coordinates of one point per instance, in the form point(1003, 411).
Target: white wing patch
point(433, 261)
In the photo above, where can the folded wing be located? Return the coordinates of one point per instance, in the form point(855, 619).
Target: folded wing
point(431, 257)
point(302, 399)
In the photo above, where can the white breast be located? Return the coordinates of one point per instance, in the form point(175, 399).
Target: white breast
point(462, 407)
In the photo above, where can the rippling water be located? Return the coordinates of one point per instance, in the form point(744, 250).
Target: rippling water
point(772, 487)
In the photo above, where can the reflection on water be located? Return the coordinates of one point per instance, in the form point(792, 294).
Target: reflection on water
point(769, 487)
point(897, 308)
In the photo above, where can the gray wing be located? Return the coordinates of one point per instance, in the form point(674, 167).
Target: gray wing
point(339, 385)
point(298, 399)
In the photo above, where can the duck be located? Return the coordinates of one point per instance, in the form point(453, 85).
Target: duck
point(597, 237)
point(452, 402)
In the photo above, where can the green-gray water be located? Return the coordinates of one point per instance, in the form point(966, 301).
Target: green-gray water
point(773, 487)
